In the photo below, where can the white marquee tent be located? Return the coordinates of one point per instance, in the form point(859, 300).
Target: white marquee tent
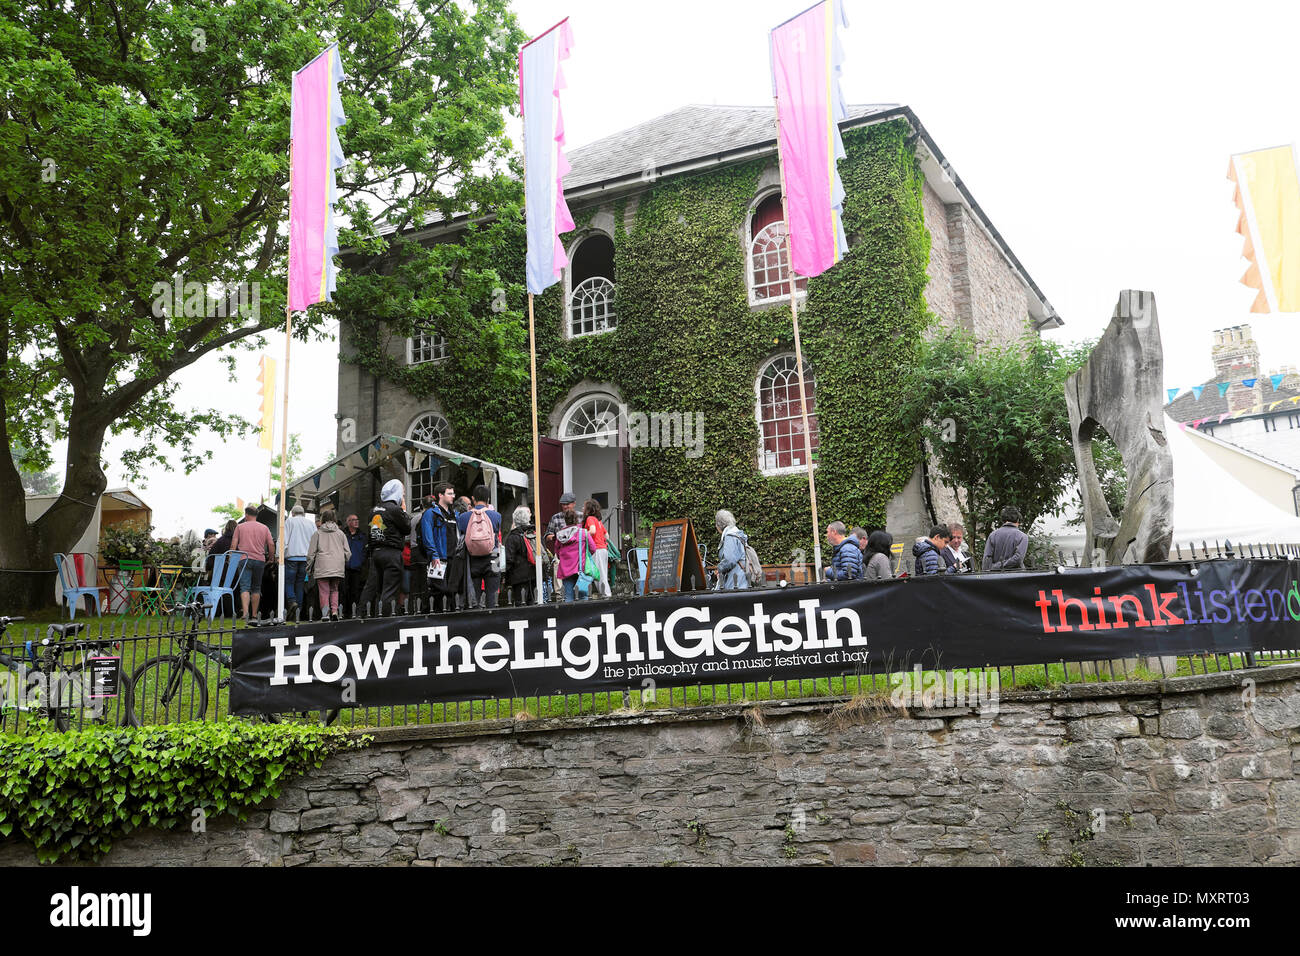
point(1210, 505)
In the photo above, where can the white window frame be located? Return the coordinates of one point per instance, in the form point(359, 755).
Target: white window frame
point(597, 293)
point(442, 442)
point(589, 287)
point(751, 242)
point(432, 347)
point(809, 378)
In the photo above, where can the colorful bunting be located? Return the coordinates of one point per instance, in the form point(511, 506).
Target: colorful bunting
point(1196, 390)
point(1223, 388)
point(1249, 382)
point(1276, 380)
point(1173, 393)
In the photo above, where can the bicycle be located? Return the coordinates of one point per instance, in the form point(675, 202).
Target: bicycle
point(71, 695)
point(169, 688)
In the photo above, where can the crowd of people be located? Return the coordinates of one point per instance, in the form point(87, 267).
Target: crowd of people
point(859, 555)
point(456, 553)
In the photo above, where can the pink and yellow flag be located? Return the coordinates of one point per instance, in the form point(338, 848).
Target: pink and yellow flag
point(1268, 198)
point(806, 64)
point(314, 155)
point(541, 78)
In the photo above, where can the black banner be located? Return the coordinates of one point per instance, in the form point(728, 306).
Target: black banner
point(943, 621)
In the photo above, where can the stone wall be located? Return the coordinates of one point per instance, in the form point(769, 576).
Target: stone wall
point(1196, 770)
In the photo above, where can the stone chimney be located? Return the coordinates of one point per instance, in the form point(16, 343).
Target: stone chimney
point(1236, 356)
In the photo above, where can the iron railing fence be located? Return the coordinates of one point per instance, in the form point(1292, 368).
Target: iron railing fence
point(174, 669)
point(1204, 551)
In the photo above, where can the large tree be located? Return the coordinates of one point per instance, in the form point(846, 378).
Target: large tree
point(146, 143)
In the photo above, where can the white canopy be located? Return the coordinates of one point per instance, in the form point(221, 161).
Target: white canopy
point(1210, 505)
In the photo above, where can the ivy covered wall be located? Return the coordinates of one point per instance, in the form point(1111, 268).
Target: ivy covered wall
point(688, 341)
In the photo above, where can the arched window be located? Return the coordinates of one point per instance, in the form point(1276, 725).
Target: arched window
point(593, 417)
point(432, 429)
point(780, 422)
point(769, 257)
point(591, 304)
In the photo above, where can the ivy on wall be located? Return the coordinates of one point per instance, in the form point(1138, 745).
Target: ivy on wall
point(687, 341)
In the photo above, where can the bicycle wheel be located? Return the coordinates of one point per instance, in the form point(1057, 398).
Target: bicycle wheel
point(74, 708)
point(167, 689)
point(22, 696)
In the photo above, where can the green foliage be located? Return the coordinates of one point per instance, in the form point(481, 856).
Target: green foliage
point(127, 542)
point(996, 420)
point(149, 144)
point(72, 795)
point(681, 297)
point(35, 480)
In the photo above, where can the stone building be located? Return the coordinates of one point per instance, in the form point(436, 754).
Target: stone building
point(644, 289)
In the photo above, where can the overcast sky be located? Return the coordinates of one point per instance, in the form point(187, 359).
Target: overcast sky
point(1096, 138)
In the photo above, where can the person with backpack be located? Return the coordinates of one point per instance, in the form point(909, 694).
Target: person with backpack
point(480, 528)
point(572, 545)
point(521, 558)
point(592, 524)
point(846, 560)
point(732, 553)
point(386, 536)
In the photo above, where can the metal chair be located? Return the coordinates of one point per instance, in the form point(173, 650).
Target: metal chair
point(638, 558)
point(155, 599)
point(225, 572)
point(130, 575)
point(74, 571)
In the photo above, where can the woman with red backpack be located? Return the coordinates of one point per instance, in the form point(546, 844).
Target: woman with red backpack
point(521, 558)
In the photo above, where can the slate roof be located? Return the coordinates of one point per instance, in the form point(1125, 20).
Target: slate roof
point(1188, 408)
point(685, 134)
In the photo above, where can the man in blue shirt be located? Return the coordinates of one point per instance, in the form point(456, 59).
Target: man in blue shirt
point(480, 528)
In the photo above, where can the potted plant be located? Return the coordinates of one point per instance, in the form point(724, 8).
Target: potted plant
point(124, 542)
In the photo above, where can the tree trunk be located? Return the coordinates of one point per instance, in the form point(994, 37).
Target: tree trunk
point(25, 548)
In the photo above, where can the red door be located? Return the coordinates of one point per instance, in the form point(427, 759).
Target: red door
point(551, 460)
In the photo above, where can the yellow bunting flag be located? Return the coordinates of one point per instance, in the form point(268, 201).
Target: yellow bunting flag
point(266, 392)
point(1268, 199)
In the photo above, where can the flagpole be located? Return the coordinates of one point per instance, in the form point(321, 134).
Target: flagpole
point(532, 382)
point(284, 422)
point(537, 469)
point(798, 355)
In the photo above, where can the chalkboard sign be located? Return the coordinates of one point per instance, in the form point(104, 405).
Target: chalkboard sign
point(674, 561)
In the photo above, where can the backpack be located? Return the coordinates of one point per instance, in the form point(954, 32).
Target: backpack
point(480, 539)
point(377, 528)
point(753, 567)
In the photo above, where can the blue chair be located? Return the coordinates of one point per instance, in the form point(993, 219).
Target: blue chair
point(638, 558)
point(74, 571)
point(225, 572)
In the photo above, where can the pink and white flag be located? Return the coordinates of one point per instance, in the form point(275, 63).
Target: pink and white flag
point(806, 65)
point(314, 155)
point(547, 214)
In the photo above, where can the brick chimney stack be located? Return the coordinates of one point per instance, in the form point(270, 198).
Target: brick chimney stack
point(1236, 356)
